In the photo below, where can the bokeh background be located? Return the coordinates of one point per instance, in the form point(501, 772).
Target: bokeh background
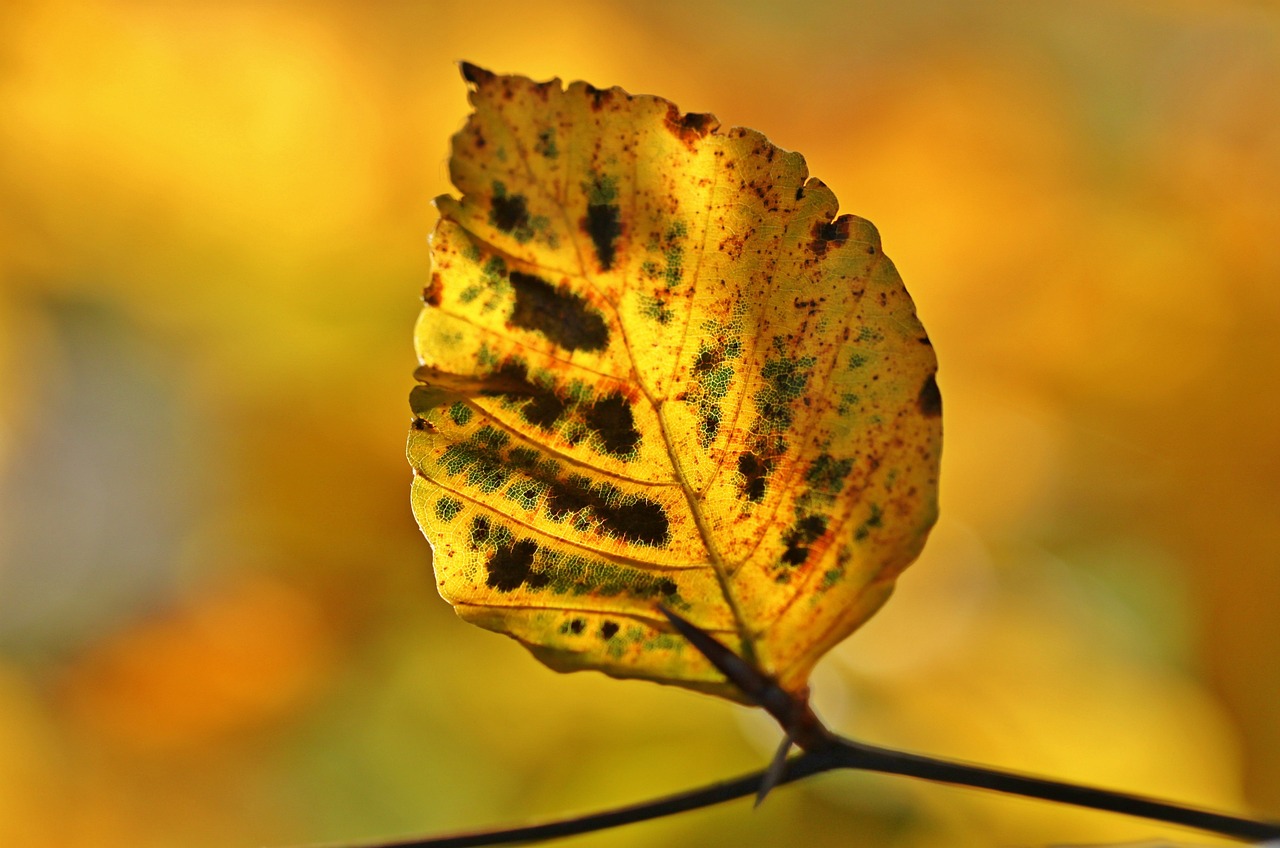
point(217, 620)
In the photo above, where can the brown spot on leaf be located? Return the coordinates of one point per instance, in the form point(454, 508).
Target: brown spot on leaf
point(432, 293)
point(611, 417)
point(691, 126)
point(509, 213)
point(638, 520)
point(708, 359)
point(480, 529)
point(798, 539)
point(930, 398)
point(557, 313)
point(511, 566)
point(831, 233)
point(734, 244)
point(643, 521)
point(599, 96)
point(756, 472)
point(544, 408)
point(603, 225)
point(608, 630)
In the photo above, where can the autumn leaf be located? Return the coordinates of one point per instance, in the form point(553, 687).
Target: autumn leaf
point(657, 369)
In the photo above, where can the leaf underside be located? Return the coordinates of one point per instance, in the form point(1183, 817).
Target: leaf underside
point(657, 369)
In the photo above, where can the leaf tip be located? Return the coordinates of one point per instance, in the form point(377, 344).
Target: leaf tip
point(474, 74)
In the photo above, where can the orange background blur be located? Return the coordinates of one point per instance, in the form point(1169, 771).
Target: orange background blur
point(217, 620)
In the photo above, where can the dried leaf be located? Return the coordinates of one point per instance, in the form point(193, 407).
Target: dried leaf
point(658, 369)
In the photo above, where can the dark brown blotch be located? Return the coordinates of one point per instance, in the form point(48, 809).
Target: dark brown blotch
point(642, 521)
point(603, 225)
point(510, 213)
point(638, 520)
point(569, 495)
point(599, 96)
point(544, 409)
point(798, 539)
point(512, 378)
point(708, 359)
point(511, 566)
point(563, 316)
point(930, 398)
point(434, 290)
point(608, 630)
point(691, 126)
point(480, 529)
point(755, 471)
point(831, 233)
point(611, 418)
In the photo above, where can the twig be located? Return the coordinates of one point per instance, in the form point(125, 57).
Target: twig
point(824, 751)
point(694, 799)
point(845, 753)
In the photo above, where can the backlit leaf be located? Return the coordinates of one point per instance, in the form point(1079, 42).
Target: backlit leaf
point(657, 368)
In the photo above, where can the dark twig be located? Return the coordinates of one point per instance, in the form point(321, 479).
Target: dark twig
point(777, 768)
point(846, 753)
point(824, 751)
point(790, 710)
point(695, 799)
point(807, 731)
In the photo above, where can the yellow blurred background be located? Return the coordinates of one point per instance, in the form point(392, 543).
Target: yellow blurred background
point(217, 620)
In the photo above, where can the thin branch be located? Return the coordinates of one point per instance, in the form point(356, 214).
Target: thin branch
point(849, 754)
point(845, 753)
point(824, 751)
point(716, 793)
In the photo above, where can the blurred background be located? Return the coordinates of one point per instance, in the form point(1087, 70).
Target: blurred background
point(218, 625)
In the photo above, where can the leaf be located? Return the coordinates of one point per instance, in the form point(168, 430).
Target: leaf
point(658, 369)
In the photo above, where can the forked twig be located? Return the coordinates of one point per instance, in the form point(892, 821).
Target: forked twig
point(806, 730)
point(695, 799)
point(825, 751)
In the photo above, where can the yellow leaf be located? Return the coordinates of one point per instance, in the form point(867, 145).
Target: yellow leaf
point(658, 369)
